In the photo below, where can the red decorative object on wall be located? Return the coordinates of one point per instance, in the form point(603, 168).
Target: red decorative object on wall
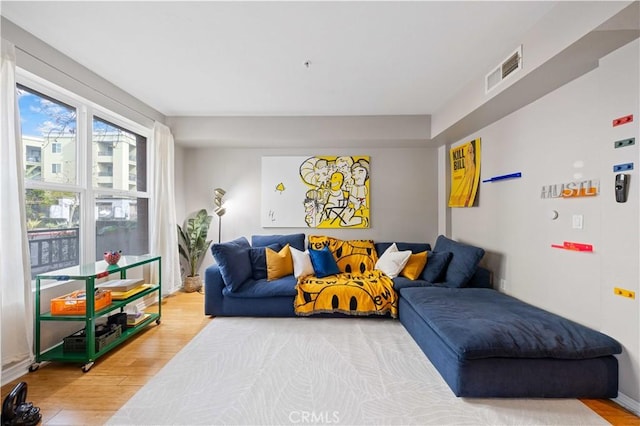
point(568, 245)
point(623, 120)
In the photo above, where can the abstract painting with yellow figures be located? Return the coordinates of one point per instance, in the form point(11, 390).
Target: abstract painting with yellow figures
point(465, 173)
point(316, 192)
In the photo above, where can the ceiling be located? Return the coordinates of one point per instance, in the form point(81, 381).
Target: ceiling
point(283, 58)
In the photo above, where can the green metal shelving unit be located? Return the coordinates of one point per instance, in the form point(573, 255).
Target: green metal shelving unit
point(89, 273)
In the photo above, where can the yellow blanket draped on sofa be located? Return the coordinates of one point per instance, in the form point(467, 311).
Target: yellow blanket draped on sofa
point(370, 292)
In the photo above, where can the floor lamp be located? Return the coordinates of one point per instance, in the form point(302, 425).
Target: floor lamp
point(219, 208)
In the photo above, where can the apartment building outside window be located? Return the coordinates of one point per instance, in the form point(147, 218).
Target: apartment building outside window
point(80, 197)
point(33, 154)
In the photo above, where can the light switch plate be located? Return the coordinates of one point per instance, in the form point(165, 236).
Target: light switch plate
point(577, 221)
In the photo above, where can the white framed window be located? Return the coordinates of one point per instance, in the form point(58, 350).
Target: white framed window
point(85, 178)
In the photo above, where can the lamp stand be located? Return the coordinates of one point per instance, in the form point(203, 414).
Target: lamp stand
point(219, 227)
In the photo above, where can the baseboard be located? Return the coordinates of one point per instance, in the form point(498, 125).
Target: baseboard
point(628, 403)
point(15, 371)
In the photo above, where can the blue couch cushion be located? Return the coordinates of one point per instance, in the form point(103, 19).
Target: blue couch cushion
point(324, 264)
point(402, 282)
point(294, 240)
point(477, 323)
point(281, 287)
point(437, 262)
point(414, 247)
point(464, 261)
point(234, 262)
point(259, 260)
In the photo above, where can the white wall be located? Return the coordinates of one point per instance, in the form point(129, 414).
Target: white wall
point(380, 131)
point(566, 136)
point(403, 191)
point(554, 43)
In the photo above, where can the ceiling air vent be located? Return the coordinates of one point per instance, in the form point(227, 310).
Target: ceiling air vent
point(510, 65)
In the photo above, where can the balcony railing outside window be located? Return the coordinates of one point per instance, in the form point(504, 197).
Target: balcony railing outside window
point(53, 249)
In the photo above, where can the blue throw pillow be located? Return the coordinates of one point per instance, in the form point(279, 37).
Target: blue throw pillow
point(324, 264)
point(259, 260)
point(294, 240)
point(464, 261)
point(234, 262)
point(436, 264)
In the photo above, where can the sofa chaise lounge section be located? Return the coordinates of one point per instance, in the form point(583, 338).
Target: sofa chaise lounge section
point(488, 344)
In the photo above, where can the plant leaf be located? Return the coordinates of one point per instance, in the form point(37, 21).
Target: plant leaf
point(193, 243)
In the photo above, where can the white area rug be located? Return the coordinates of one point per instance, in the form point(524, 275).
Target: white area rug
point(354, 371)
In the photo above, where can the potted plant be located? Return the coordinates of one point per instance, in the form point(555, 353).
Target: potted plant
point(193, 246)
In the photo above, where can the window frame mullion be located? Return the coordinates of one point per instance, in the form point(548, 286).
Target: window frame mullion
point(87, 222)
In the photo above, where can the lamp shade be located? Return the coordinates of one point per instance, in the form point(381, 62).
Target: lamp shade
point(217, 201)
point(219, 192)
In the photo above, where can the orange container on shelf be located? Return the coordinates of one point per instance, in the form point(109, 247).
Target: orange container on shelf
point(76, 303)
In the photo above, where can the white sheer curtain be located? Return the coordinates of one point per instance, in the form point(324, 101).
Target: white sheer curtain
point(16, 298)
point(164, 238)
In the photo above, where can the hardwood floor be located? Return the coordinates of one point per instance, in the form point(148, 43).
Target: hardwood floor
point(612, 412)
point(67, 396)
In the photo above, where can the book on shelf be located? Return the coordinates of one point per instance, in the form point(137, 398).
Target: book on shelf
point(133, 320)
point(121, 295)
point(121, 285)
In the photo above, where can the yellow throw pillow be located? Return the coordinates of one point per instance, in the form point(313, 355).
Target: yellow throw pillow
point(415, 265)
point(279, 264)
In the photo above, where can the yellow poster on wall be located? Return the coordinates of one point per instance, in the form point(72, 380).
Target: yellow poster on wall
point(465, 173)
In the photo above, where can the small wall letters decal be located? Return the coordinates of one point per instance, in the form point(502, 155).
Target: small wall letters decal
point(585, 188)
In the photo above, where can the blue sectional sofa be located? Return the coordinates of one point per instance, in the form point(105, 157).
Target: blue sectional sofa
point(483, 343)
point(246, 292)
